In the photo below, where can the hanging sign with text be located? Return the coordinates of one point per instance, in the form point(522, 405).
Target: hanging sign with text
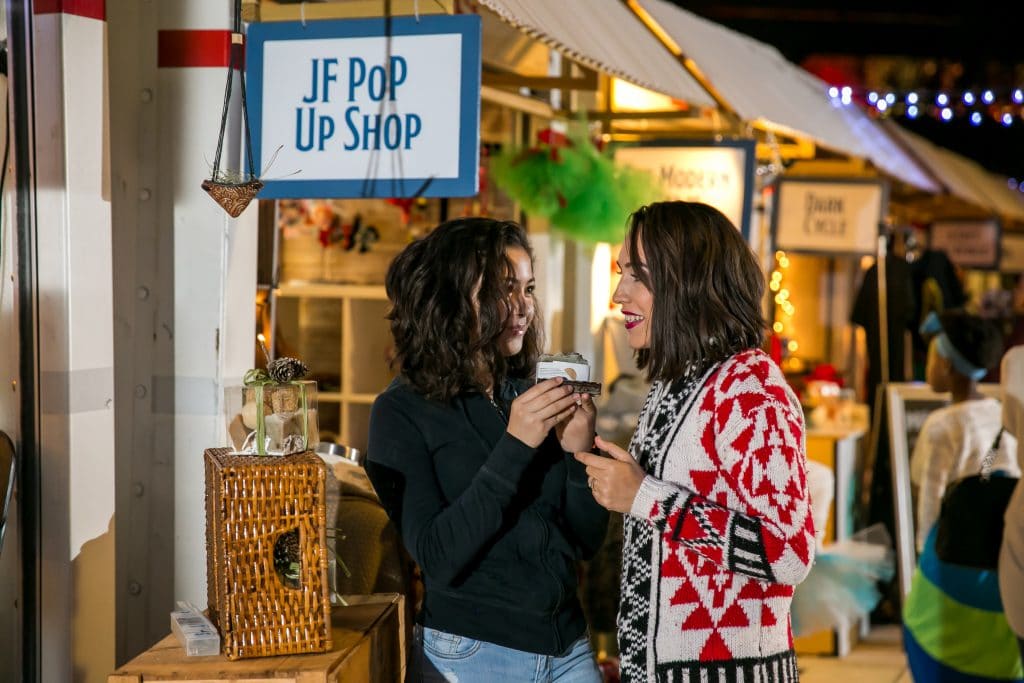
point(366, 107)
point(720, 174)
point(968, 243)
point(1012, 257)
point(828, 216)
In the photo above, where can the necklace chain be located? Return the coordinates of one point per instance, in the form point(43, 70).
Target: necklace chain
point(498, 408)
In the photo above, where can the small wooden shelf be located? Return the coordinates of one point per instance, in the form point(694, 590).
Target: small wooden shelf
point(355, 350)
point(329, 290)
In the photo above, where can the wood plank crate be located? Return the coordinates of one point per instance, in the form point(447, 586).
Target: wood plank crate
point(369, 646)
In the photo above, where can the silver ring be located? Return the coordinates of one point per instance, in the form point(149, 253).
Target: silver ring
point(590, 482)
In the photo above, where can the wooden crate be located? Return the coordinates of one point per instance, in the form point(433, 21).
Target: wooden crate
point(369, 646)
point(255, 506)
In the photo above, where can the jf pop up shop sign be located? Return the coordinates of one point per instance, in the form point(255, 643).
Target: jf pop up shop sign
point(366, 107)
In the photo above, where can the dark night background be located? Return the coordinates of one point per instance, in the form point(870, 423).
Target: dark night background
point(903, 46)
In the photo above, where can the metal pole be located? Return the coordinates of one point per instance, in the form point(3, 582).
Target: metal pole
point(19, 25)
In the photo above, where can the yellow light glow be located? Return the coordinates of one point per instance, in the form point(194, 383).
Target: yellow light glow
point(792, 345)
point(866, 262)
point(774, 286)
point(777, 327)
point(261, 337)
point(784, 262)
point(779, 255)
point(629, 97)
point(600, 285)
point(784, 293)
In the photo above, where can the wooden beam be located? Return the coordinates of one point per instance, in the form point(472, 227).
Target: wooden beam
point(601, 115)
point(500, 79)
point(515, 101)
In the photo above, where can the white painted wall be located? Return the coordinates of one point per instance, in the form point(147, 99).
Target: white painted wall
point(214, 280)
point(74, 286)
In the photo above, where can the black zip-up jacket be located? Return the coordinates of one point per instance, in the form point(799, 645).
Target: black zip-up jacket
point(497, 527)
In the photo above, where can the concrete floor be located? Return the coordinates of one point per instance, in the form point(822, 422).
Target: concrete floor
point(878, 658)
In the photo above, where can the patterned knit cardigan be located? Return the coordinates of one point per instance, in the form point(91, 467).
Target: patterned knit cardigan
point(720, 530)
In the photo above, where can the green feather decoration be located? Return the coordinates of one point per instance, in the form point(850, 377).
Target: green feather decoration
point(577, 187)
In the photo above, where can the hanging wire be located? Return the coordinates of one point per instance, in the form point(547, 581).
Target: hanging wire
point(236, 48)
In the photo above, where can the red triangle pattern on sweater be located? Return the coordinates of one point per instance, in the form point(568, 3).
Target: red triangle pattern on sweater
point(734, 616)
point(715, 649)
point(699, 618)
point(703, 481)
point(686, 593)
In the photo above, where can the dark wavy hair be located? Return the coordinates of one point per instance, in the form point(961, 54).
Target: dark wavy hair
point(442, 346)
point(978, 340)
point(706, 284)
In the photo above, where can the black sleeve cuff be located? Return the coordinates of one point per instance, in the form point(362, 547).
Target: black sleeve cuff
point(577, 471)
point(508, 460)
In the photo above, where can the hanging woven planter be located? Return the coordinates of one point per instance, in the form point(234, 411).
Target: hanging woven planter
point(233, 197)
point(234, 194)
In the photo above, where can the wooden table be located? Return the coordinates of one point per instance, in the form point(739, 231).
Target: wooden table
point(369, 647)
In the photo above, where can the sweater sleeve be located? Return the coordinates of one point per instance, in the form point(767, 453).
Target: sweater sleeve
point(760, 525)
point(933, 450)
point(587, 519)
point(442, 536)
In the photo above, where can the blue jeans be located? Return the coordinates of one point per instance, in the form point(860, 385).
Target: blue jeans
point(448, 658)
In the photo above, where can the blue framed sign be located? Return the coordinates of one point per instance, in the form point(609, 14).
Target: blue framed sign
point(716, 172)
point(366, 107)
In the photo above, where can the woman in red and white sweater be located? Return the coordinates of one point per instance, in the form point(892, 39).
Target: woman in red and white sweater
point(717, 527)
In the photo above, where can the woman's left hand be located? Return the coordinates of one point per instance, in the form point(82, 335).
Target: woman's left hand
point(577, 432)
point(614, 480)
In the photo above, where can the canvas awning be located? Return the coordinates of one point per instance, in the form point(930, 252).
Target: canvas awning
point(961, 177)
point(767, 90)
point(606, 36)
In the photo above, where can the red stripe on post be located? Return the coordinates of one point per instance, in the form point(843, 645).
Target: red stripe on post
point(91, 9)
point(195, 48)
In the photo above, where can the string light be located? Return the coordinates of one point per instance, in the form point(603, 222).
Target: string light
point(997, 105)
point(784, 308)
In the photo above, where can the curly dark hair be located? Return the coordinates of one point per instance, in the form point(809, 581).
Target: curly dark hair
point(706, 284)
point(436, 285)
point(977, 339)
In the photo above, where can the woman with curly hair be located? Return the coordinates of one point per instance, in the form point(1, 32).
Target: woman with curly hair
point(474, 464)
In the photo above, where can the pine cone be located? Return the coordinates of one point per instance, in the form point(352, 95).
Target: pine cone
point(283, 370)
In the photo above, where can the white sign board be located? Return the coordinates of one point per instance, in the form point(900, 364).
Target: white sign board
point(721, 175)
point(366, 107)
point(968, 243)
point(829, 216)
point(1012, 257)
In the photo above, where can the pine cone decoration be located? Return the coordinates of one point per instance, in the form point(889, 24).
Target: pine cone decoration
point(283, 370)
